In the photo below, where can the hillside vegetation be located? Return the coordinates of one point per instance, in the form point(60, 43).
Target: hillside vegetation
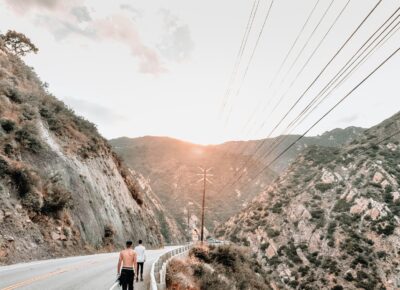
point(225, 267)
point(62, 189)
point(331, 221)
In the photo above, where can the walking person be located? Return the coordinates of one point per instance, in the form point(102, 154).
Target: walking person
point(126, 267)
point(141, 258)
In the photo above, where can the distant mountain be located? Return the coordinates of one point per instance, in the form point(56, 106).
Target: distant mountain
point(334, 138)
point(172, 167)
point(332, 219)
point(63, 191)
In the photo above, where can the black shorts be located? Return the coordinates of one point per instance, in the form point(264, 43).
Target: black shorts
point(127, 277)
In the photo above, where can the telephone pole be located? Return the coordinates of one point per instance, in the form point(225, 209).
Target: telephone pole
point(205, 174)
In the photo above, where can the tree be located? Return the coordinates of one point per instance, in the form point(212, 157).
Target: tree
point(17, 43)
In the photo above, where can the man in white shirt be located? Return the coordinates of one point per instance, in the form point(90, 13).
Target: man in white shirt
point(141, 258)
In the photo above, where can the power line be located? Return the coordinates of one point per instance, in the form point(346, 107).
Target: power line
point(326, 66)
point(261, 144)
point(294, 43)
point(392, 31)
point(317, 47)
point(251, 57)
point(365, 44)
point(285, 58)
point(327, 113)
point(337, 77)
point(241, 51)
point(307, 41)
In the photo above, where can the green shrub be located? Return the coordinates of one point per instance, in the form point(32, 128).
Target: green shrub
point(57, 197)
point(313, 258)
point(349, 277)
point(303, 270)
point(200, 253)
point(24, 180)
point(359, 260)
point(14, 95)
point(291, 253)
point(366, 281)
point(341, 206)
point(27, 138)
point(272, 233)
point(277, 207)
point(381, 254)
point(52, 120)
point(9, 149)
point(318, 216)
point(27, 184)
point(225, 255)
point(387, 229)
point(323, 186)
point(7, 125)
point(4, 167)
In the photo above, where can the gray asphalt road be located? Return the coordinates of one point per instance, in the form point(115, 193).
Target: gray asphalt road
point(82, 272)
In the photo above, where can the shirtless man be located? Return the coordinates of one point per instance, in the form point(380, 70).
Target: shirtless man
point(128, 261)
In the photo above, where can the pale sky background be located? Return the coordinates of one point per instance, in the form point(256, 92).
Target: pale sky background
point(158, 67)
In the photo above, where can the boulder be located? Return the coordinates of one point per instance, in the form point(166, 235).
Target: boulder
point(361, 204)
point(55, 236)
point(374, 213)
point(271, 251)
point(327, 176)
point(378, 177)
point(3, 253)
point(396, 195)
point(385, 183)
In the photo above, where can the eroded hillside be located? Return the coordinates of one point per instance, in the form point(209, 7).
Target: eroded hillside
point(332, 219)
point(62, 189)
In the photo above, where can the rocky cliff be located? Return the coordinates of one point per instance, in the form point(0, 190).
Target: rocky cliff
point(62, 189)
point(331, 221)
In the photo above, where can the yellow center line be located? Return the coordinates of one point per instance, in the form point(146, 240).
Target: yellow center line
point(48, 275)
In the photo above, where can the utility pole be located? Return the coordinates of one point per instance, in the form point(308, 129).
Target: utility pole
point(205, 174)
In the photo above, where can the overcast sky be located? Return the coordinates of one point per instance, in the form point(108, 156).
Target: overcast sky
point(159, 67)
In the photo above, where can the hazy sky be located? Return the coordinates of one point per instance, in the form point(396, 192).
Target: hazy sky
point(163, 67)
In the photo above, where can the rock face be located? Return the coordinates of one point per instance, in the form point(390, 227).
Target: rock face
point(332, 219)
point(62, 189)
point(171, 167)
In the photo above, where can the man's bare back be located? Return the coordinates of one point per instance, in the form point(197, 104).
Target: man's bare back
point(127, 263)
point(127, 258)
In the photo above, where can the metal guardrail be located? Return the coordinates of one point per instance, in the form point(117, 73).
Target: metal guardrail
point(159, 267)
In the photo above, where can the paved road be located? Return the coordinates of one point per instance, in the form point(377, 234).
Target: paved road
point(82, 272)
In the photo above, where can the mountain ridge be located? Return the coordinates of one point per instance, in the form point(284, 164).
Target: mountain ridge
point(332, 218)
